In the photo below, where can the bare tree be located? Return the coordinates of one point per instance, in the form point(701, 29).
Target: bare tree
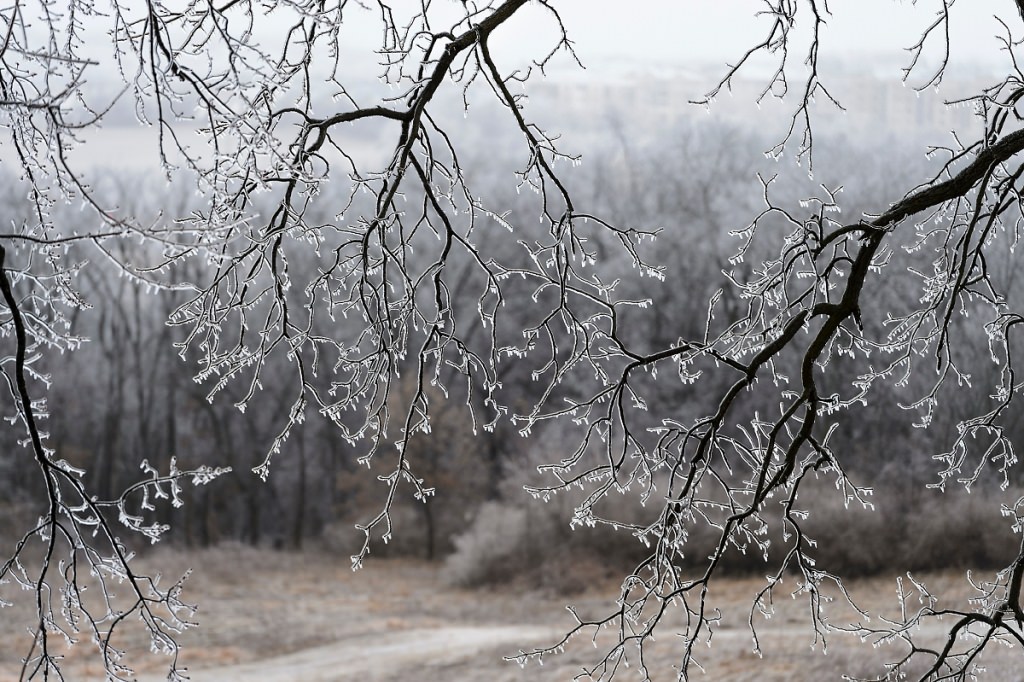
point(346, 268)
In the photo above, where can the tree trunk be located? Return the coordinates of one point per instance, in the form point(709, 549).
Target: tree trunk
point(429, 535)
point(300, 491)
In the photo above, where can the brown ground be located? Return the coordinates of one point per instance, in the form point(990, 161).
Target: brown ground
point(279, 617)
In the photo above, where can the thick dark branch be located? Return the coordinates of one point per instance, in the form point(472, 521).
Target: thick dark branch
point(347, 116)
point(21, 340)
point(958, 185)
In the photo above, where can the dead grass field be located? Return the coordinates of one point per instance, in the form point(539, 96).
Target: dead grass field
point(279, 616)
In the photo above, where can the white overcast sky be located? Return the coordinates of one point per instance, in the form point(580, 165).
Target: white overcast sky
point(616, 38)
point(676, 32)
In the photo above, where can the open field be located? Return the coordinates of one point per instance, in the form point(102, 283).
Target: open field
point(278, 616)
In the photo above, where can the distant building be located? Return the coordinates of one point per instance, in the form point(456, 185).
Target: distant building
point(647, 104)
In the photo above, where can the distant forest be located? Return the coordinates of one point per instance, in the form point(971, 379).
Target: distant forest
point(129, 396)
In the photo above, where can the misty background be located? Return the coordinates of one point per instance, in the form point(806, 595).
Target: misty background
point(648, 158)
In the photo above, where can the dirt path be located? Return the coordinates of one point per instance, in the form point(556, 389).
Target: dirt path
point(470, 653)
point(372, 657)
point(307, 617)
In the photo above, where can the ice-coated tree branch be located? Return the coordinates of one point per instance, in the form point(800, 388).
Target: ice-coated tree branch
point(341, 276)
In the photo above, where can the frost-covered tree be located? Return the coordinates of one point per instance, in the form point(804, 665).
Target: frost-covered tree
point(352, 268)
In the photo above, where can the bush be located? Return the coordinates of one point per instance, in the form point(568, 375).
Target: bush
point(407, 538)
point(496, 548)
point(518, 542)
point(932, 530)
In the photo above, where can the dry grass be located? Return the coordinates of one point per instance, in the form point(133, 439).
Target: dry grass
point(262, 605)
